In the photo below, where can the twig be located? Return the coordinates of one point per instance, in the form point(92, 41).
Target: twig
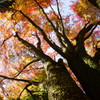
point(23, 80)
point(6, 40)
point(26, 66)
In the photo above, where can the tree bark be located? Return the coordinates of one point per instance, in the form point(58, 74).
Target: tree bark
point(60, 85)
point(88, 77)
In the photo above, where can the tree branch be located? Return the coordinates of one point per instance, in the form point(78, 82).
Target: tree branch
point(97, 55)
point(80, 40)
point(46, 16)
point(26, 66)
point(14, 79)
point(55, 29)
point(59, 37)
point(61, 20)
point(80, 48)
point(92, 30)
point(66, 40)
point(30, 93)
point(23, 90)
point(83, 31)
point(50, 42)
point(6, 40)
point(40, 55)
point(39, 41)
point(54, 12)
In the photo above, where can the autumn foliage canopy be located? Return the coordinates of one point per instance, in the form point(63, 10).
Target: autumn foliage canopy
point(32, 30)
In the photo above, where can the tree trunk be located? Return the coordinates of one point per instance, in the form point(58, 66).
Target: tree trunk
point(60, 85)
point(88, 77)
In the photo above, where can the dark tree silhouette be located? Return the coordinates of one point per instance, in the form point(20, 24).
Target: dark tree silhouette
point(95, 3)
point(59, 83)
point(5, 4)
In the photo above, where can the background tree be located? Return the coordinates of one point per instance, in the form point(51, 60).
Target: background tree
point(40, 47)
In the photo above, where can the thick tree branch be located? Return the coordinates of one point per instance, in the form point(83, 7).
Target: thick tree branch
point(84, 31)
point(92, 30)
point(66, 40)
point(80, 48)
point(61, 37)
point(80, 39)
point(55, 29)
point(97, 55)
point(50, 42)
point(40, 55)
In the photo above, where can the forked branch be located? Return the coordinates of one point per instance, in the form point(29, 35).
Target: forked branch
point(52, 25)
point(38, 53)
point(65, 39)
point(92, 30)
point(81, 37)
point(49, 41)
